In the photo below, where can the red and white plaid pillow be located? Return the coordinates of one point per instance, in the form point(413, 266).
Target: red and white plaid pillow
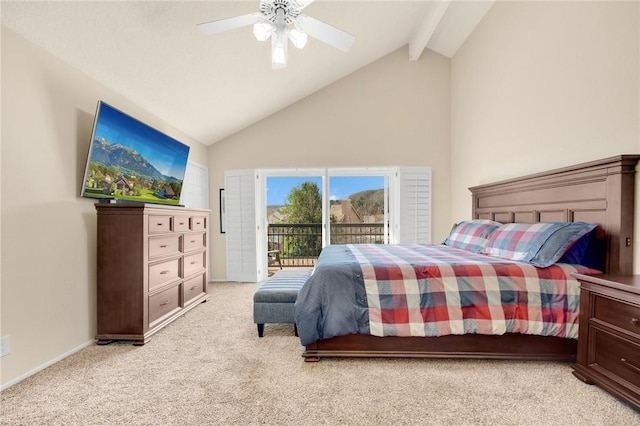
point(471, 235)
point(519, 241)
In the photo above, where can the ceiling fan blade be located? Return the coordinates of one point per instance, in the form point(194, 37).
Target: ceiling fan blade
point(220, 25)
point(302, 3)
point(326, 33)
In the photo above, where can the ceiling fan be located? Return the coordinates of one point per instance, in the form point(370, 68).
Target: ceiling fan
point(282, 20)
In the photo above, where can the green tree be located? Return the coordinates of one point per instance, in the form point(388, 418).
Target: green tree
point(304, 204)
point(177, 188)
point(137, 189)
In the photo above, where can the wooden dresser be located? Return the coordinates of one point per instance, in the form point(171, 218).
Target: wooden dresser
point(152, 267)
point(609, 339)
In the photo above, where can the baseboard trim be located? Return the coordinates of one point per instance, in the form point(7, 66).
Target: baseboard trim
point(45, 365)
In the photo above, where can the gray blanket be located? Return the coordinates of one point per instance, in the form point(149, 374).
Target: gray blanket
point(333, 302)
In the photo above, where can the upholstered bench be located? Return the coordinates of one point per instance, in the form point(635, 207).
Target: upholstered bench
point(274, 300)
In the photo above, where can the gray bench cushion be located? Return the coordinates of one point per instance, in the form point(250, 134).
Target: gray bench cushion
point(273, 301)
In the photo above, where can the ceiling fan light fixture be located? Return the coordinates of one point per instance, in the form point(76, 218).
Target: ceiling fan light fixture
point(279, 45)
point(263, 30)
point(282, 21)
point(297, 37)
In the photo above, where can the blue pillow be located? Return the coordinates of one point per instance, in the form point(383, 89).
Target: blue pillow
point(560, 241)
point(590, 251)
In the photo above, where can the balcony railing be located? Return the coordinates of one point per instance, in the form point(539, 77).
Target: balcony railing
point(300, 244)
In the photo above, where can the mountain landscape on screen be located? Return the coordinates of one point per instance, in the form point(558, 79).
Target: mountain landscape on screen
point(116, 168)
point(129, 160)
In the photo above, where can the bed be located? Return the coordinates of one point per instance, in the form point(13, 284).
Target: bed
point(596, 193)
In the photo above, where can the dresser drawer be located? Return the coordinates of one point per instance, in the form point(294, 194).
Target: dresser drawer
point(617, 313)
point(193, 287)
point(164, 246)
point(159, 224)
point(163, 303)
point(193, 242)
point(193, 263)
point(181, 223)
point(198, 223)
point(617, 356)
point(163, 272)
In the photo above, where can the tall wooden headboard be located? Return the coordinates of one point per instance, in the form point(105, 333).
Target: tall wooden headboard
point(598, 192)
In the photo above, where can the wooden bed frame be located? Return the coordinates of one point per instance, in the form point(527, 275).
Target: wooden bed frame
point(599, 192)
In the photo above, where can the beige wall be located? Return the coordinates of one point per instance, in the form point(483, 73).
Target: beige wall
point(392, 112)
point(541, 85)
point(48, 231)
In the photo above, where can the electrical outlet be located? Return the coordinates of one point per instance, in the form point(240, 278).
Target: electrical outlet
point(4, 346)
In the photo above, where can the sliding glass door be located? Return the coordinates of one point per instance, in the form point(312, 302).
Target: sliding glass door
point(276, 211)
point(294, 217)
point(358, 208)
point(303, 214)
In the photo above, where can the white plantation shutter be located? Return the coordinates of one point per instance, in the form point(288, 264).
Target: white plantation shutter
point(195, 188)
point(411, 210)
point(241, 229)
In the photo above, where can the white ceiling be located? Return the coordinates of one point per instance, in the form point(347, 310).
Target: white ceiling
point(211, 86)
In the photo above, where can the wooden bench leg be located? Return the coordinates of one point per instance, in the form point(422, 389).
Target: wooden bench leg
point(260, 330)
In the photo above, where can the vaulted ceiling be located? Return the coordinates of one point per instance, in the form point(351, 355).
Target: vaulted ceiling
point(211, 86)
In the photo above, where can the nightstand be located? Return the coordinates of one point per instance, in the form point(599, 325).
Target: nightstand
point(609, 338)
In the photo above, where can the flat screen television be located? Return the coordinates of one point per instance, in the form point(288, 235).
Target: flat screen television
point(131, 161)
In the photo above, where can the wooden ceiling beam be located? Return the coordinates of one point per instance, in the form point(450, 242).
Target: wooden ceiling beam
point(432, 17)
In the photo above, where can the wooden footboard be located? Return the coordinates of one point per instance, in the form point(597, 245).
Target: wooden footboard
point(508, 346)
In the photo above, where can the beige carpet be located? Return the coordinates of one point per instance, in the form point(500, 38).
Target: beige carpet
point(209, 367)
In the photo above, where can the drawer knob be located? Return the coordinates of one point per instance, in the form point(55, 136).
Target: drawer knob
point(166, 302)
point(165, 272)
point(163, 246)
point(194, 262)
point(193, 241)
point(635, 321)
point(193, 288)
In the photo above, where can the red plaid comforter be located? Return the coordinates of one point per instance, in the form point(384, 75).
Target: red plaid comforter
point(418, 290)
